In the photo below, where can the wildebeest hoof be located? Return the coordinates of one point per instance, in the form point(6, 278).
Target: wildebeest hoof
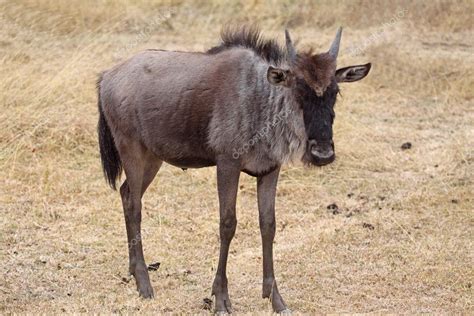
point(146, 292)
point(142, 279)
point(278, 304)
point(144, 288)
point(223, 308)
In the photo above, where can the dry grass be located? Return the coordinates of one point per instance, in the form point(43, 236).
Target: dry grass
point(402, 241)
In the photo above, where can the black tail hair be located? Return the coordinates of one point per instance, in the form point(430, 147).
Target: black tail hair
point(111, 163)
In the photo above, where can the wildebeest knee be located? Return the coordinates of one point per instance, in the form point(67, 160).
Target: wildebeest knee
point(267, 225)
point(126, 201)
point(228, 226)
point(131, 204)
point(124, 191)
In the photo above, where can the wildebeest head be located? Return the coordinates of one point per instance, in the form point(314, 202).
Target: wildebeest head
point(314, 80)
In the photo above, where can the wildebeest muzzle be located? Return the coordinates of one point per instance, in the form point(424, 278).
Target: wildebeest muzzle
point(321, 152)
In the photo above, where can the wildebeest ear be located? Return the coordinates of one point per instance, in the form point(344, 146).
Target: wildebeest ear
point(352, 73)
point(279, 77)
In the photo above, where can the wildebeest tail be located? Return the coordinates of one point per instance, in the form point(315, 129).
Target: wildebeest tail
point(111, 163)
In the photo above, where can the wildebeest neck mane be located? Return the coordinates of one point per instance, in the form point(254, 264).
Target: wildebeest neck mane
point(251, 38)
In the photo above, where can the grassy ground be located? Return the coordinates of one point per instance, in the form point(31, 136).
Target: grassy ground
point(400, 240)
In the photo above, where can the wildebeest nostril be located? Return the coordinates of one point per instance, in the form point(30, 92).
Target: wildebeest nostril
point(322, 154)
point(323, 150)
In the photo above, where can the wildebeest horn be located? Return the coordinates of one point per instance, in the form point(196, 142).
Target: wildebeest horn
point(289, 47)
point(334, 50)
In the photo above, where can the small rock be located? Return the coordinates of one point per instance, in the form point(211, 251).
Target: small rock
point(153, 266)
point(125, 280)
point(455, 201)
point(207, 304)
point(406, 146)
point(333, 208)
point(368, 226)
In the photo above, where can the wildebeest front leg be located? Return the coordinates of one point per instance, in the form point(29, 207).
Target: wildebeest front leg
point(266, 190)
point(227, 182)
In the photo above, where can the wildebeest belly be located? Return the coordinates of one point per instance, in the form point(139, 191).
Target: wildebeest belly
point(191, 162)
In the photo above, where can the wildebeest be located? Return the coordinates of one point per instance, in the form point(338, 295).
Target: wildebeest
point(245, 105)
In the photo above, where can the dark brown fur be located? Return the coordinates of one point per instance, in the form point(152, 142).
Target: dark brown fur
point(251, 38)
point(318, 70)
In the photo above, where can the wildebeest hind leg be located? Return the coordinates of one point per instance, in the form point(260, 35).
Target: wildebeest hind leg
point(140, 168)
